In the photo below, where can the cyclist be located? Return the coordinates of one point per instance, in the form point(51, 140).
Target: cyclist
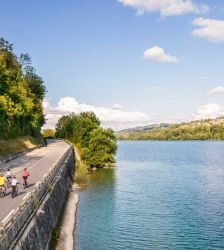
point(8, 175)
point(2, 182)
point(14, 184)
point(25, 175)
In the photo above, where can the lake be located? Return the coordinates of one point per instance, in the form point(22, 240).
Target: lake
point(162, 195)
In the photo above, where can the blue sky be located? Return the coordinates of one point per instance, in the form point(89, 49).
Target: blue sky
point(133, 62)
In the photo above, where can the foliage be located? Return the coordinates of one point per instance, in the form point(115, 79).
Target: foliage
point(48, 133)
point(97, 145)
point(81, 174)
point(101, 149)
point(199, 130)
point(21, 95)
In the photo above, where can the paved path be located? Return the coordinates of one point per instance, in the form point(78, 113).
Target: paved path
point(38, 163)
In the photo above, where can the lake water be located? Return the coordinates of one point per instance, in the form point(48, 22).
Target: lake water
point(162, 195)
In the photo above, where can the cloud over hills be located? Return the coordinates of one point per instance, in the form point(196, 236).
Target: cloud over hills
point(117, 119)
point(210, 110)
point(112, 117)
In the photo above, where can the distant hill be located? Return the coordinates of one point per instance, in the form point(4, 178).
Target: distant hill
point(144, 128)
point(209, 129)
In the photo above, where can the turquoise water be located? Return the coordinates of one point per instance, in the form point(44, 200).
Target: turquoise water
point(162, 195)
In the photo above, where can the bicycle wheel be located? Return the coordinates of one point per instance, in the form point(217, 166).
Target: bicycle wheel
point(8, 184)
point(2, 193)
point(13, 193)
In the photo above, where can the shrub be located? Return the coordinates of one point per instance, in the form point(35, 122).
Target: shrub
point(81, 175)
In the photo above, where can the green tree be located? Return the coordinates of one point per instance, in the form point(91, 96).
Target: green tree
point(48, 133)
point(102, 148)
point(97, 145)
point(21, 95)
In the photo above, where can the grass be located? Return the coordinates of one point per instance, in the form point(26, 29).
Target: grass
point(14, 145)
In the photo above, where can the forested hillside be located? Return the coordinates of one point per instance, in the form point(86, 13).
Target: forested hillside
point(144, 128)
point(209, 129)
point(21, 95)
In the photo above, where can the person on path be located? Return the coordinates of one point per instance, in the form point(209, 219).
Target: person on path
point(25, 175)
point(2, 182)
point(8, 174)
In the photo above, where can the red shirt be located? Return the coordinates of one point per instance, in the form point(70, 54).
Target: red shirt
point(25, 173)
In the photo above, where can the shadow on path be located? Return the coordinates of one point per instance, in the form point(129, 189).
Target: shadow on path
point(20, 193)
point(30, 185)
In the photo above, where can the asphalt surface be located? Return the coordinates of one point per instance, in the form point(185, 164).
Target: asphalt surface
point(38, 163)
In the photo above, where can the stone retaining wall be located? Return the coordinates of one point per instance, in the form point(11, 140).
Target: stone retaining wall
point(36, 234)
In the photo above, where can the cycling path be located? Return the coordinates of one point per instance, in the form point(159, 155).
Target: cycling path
point(38, 163)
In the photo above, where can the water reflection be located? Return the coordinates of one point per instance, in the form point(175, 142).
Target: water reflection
point(95, 213)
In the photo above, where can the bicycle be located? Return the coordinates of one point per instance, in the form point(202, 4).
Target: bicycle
point(2, 191)
point(14, 191)
point(9, 180)
point(25, 183)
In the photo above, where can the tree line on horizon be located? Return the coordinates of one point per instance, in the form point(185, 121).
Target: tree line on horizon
point(205, 130)
point(21, 95)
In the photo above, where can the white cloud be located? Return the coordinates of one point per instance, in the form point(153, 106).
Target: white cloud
point(210, 110)
point(157, 54)
point(109, 117)
point(211, 29)
point(154, 88)
point(117, 106)
point(118, 119)
point(217, 90)
point(165, 7)
point(205, 77)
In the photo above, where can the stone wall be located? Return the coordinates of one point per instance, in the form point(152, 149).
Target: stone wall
point(36, 234)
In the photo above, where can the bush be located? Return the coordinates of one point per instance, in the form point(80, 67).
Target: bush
point(81, 175)
point(81, 178)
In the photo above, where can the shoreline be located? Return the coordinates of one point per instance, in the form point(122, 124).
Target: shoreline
point(66, 239)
